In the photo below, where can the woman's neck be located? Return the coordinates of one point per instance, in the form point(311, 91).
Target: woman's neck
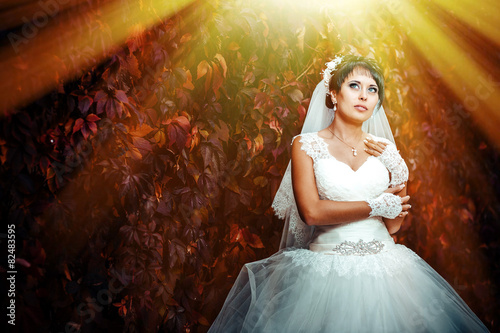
point(346, 131)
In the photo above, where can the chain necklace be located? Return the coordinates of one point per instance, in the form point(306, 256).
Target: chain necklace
point(354, 151)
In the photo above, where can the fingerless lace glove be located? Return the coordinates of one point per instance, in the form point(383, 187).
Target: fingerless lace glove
point(386, 205)
point(395, 164)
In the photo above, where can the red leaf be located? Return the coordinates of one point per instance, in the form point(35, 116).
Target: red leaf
point(78, 125)
point(121, 96)
point(184, 123)
point(100, 106)
point(93, 127)
point(252, 239)
point(212, 157)
point(84, 104)
point(92, 117)
point(142, 144)
point(235, 236)
point(44, 163)
point(100, 95)
point(118, 107)
point(23, 262)
point(302, 112)
point(177, 135)
point(177, 252)
point(110, 109)
point(85, 131)
point(260, 99)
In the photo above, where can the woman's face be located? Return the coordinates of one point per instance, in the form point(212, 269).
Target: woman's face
point(357, 97)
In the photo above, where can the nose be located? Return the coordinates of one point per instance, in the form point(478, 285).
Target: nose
point(362, 95)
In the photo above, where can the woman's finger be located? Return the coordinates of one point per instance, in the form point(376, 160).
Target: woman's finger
point(380, 143)
point(372, 152)
point(375, 145)
point(395, 189)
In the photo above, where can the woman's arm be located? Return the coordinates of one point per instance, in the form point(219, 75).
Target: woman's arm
point(314, 211)
point(398, 172)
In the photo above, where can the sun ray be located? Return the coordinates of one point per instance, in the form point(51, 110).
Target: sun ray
point(482, 16)
point(33, 66)
point(471, 83)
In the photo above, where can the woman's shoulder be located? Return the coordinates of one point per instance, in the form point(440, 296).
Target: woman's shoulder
point(312, 144)
point(305, 137)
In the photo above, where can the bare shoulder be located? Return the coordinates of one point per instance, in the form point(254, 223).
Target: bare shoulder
point(325, 133)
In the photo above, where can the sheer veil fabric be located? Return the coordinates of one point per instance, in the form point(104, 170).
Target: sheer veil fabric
point(295, 232)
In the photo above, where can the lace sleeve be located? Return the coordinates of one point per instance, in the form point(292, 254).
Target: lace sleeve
point(394, 163)
point(313, 147)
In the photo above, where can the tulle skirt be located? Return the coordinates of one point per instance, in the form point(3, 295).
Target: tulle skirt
point(297, 290)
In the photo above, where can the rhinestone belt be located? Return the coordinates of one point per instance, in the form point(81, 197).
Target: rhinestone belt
point(359, 248)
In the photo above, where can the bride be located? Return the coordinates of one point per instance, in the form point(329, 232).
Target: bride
point(342, 196)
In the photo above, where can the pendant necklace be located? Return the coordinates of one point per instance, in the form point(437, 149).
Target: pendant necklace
point(354, 151)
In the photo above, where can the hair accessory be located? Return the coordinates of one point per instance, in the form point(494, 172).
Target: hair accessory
point(331, 66)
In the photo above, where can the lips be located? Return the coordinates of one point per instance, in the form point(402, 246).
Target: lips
point(360, 107)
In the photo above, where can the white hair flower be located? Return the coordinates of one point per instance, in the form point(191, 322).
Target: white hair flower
point(330, 68)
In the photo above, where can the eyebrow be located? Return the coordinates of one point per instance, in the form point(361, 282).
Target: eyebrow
point(356, 81)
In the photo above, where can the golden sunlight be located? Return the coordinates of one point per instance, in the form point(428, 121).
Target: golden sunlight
point(472, 78)
point(35, 62)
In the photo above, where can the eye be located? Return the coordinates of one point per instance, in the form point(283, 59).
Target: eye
point(354, 85)
point(373, 90)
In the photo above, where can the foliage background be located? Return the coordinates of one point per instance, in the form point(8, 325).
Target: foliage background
point(139, 189)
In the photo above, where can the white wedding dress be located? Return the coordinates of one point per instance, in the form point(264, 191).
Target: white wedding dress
point(353, 277)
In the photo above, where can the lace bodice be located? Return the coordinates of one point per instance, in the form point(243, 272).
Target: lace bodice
point(350, 249)
point(336, 180)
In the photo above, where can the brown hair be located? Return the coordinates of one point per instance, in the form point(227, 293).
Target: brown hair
point(346, 67)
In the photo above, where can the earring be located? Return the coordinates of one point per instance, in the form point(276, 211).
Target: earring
point(334, 102)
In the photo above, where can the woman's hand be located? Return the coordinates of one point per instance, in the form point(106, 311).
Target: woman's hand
point(375, 148)
point(399, 190)
point(389, 205)
point(393, 225)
